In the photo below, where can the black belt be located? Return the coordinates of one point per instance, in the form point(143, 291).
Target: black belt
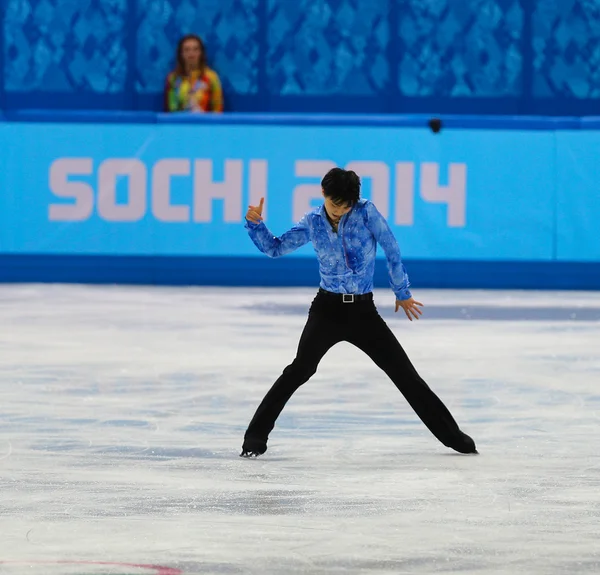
point(347, 297)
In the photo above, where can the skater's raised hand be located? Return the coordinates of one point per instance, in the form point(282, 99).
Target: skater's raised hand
point(254, 213)
point(410, 307)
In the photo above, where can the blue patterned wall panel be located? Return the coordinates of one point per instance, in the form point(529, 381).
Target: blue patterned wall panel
point(325, 47)
point(2, 44)
point(566, 49)
point(458, 56)
point(229, 29)
point(459, 48)
point(66, 46)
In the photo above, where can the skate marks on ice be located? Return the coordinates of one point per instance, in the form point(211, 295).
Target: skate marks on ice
point(122, 411)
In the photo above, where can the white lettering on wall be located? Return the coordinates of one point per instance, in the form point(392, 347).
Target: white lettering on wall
point(162, 208)
point(103, 192)
point(135, 208)
point(258, 184)
point(206, 190)
point(82, 194)
point(454, 194)
point(405, 198)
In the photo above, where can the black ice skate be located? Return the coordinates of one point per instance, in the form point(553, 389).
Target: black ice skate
point(253, 447)
point(466, 446)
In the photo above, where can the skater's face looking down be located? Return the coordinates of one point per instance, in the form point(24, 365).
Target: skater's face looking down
point(335, 210)
point(341, 190)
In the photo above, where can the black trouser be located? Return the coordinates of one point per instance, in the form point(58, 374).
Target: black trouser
point(331, 321)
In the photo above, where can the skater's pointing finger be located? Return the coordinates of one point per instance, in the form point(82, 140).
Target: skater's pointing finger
point(253, 216)
point(258, 209)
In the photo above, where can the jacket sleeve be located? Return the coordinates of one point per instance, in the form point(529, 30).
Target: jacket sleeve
point(216, 93)
point(169, 96)
point(380, 229)
point(274, 246)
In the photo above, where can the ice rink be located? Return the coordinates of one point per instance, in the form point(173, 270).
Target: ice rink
point(123, 409)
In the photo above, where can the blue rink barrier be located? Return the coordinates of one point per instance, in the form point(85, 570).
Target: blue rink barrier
point(103, 197)
point(293, 272)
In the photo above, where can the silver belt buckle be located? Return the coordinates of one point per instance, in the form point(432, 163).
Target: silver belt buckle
point(347, 298)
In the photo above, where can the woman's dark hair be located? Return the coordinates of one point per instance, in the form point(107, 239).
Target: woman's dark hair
point(180, 66)
point(342, 187)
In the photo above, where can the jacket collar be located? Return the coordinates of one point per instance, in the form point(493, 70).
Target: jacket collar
point(323, 213)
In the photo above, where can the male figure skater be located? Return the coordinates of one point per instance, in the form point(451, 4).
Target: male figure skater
point(345, 231)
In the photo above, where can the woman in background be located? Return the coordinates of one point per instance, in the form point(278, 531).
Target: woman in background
point(192, 86)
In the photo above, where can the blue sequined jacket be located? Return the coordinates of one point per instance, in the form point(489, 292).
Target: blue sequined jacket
point(347, 258)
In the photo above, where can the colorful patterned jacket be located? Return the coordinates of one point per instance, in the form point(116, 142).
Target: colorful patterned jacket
point(196, 93)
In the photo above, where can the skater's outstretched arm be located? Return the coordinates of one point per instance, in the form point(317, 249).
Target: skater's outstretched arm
point(399, 283)
point(269, 244)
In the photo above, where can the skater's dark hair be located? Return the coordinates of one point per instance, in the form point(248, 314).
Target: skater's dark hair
point(342, 187)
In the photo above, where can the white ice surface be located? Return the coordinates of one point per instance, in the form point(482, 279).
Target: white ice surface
point(122, 412)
